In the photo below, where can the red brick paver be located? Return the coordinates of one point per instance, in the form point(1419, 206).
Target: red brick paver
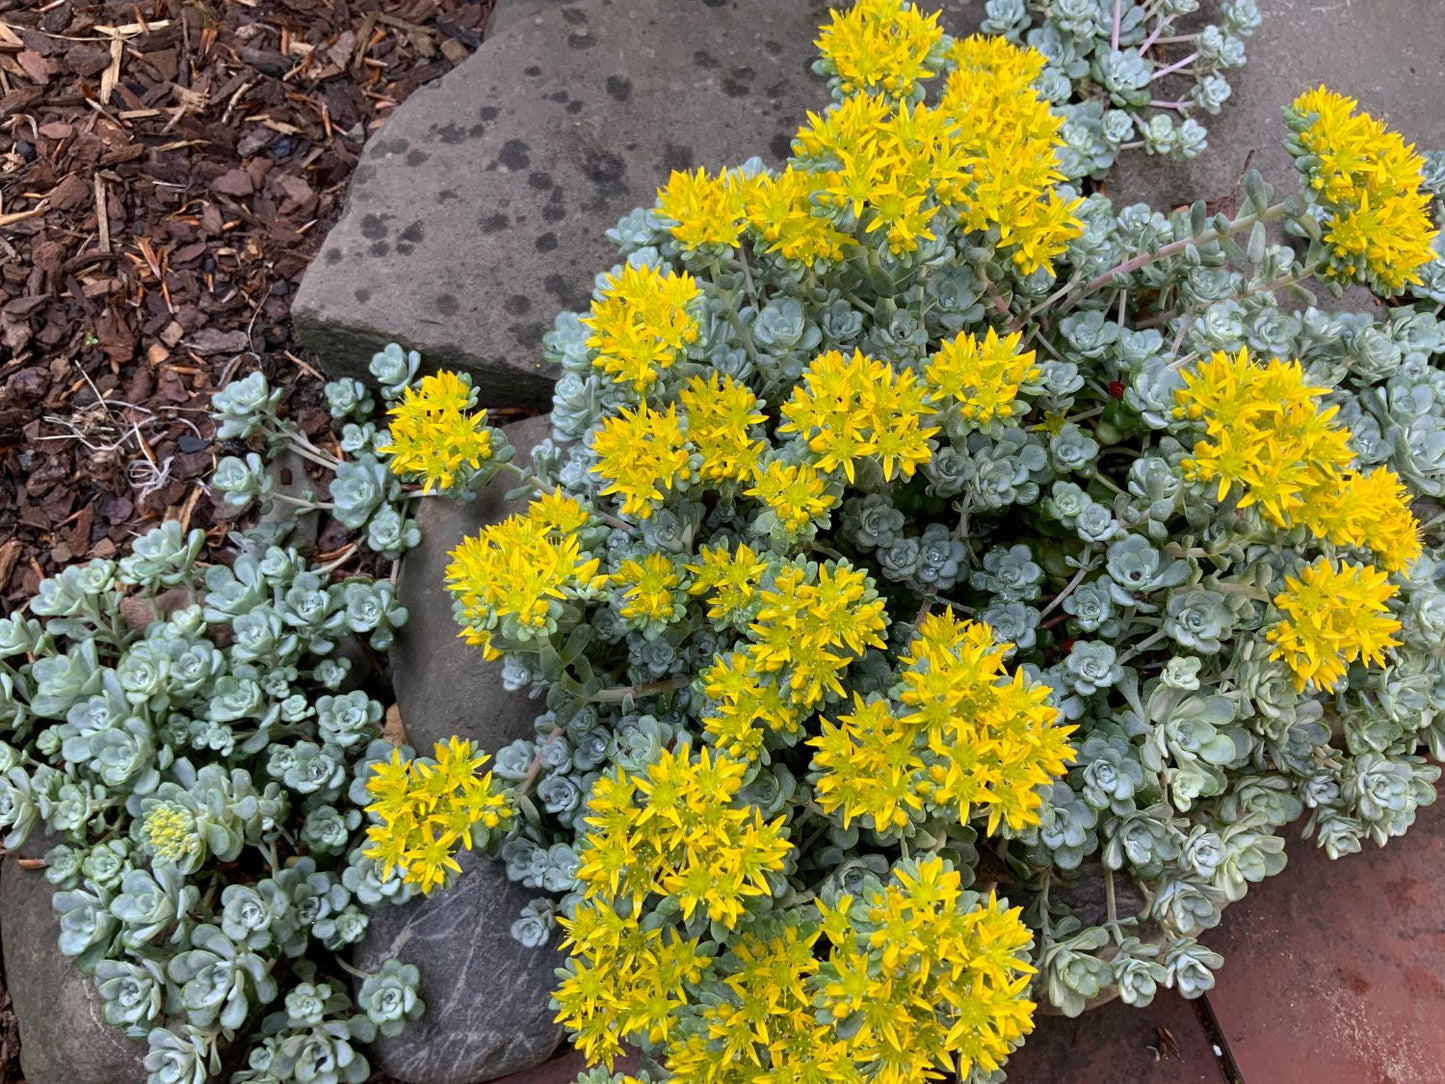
point(1334, 972)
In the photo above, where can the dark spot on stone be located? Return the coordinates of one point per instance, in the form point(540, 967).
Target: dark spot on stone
point(495, 223)
point(518, 304)
point(781, 145)
point(404, 249)
point(547, 242)
point(416, 158)
point(619, 88)
point(373, 227)
point(532, 70)
point(379, 248)
point(744, 74)
point(564, 291)
point(447, 304)
point(415, 233)
point(772, 48)
point(581, 41)
point(528, 336)
point(714, 3)
point(451, 134)
point(734, 89)
point(491, 112)
point(703, 59)
point(605, 169)
point(476, 131)
point(333, 255)
point(364, 174)
point(396, 146)
point(777, 90)
point(514, 154)
point(446, 194)
point(575, 16)
point(363, 295)
point(539, 180)
point(574, 107)
point(676, 158)
point(554, 212)
point(559, 96)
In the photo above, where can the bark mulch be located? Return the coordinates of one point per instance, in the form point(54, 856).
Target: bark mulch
point(168, 169)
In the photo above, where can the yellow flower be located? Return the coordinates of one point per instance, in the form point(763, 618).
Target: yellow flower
point(880, 45)
point(1265, 431)
point(868, 766)
point(851, 409)
point(983, 378)
point(797, 495)
point(747, 705)
point(731, 577)
point(425, 811)
point(1332, 617)
point(641, 324)
point(928, 978)
point(1369, 181)
point(650, 594)
point(721, 417)
point(705, 210)
point(992, 739)
point(640, 454)
point(432, 435)
point(783, 211)
point(511, 576)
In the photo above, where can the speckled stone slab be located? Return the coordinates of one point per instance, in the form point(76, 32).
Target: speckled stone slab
point(477, 212)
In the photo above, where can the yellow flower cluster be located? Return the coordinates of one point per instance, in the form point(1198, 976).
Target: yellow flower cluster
point(1266, 432)
point(991, 739)
point(921, 981)
point(795, 492)
point(1369, 182)
point(622, 980)
point(427, 810)
point(640, 454)
point(808, 627)
point(786, 213)
point(171, 833)
point(641, 325)
point(722, 416)
point(649, 589)
point(766, 1032)
point(1332, 617)
point(432, 435)
point(705, 210)
point(869, 765)
point(508, 577)
point(880, 45)
point(848, 409)
point(676, 830)
point(812, 623)
point(983, 378)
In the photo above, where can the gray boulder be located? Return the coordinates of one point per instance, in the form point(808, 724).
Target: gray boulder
point(443, 685)
point(488, 1007)
point(477, 213)
point(64, 1040)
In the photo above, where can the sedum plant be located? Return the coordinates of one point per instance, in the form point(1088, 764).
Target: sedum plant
point(920, 530)
point(1129, 75)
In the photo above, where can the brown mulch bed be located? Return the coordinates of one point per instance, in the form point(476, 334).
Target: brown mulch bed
point(172, 168)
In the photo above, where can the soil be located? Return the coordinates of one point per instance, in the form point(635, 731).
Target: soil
point(172, 168)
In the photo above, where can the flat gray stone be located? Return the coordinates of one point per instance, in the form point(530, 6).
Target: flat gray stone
point(488, 999)
point(443, 685)
point(1391, 56)
point(477, 213)
point(63, 1038)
